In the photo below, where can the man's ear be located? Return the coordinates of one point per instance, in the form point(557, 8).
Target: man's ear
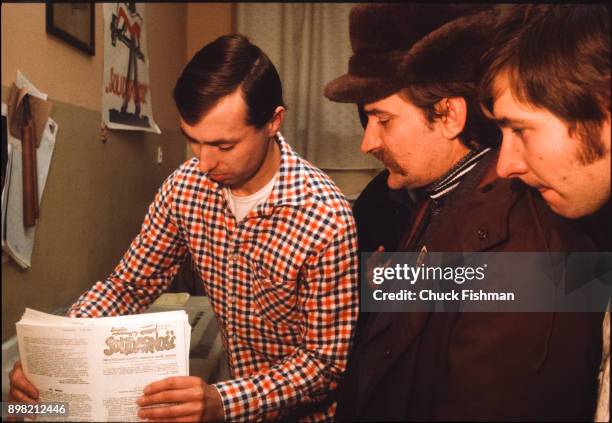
point(454, 116)
point(277, 119)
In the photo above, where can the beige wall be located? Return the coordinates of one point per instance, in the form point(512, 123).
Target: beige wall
point(70, 76)
point(96, 193)
point(206, 22)
point(56, 68)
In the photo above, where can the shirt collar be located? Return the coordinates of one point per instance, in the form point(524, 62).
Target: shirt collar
point(290, 187)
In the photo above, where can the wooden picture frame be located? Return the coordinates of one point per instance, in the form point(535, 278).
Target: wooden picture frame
point(73, 23)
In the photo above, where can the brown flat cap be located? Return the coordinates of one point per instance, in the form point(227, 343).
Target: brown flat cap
point(396, 44)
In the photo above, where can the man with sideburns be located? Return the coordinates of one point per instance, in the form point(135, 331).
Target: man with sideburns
point(546, 82)
point(413, 71)
point(547, 85)
point(272, 238)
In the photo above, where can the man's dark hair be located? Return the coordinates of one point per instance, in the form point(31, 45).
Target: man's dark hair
point(556, 57)
point(478, 130)
point(218, 69)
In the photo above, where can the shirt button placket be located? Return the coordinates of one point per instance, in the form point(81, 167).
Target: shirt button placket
point(233, 259)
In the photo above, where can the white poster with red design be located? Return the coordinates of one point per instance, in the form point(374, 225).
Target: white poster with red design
point(126, 93)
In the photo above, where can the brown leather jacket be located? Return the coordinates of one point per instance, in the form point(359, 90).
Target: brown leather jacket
point(480, 366)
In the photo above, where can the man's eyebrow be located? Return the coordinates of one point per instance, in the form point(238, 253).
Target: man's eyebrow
point(212, 143)
point(505, 122)
point(376, 112)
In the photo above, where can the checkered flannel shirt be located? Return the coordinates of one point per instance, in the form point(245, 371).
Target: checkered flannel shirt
point(282, 282)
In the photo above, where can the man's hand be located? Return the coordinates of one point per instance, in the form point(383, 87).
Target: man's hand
point(22, 389)
point(181, 399)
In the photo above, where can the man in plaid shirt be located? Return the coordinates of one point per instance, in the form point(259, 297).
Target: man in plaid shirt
point(272, 238)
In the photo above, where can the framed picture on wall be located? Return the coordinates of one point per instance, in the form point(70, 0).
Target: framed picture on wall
point(73, 23)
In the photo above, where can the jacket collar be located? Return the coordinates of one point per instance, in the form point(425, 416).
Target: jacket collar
point(452, 179)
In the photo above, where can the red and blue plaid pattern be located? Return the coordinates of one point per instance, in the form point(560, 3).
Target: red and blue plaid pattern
point(282, 282)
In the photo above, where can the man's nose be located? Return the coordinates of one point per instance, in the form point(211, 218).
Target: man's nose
point(510, 163)
point(207, 159)
point(370, 141)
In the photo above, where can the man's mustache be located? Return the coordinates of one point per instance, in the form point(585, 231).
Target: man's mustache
point(386, 160)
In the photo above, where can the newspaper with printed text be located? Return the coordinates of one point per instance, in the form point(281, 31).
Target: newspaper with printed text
point(100, 366)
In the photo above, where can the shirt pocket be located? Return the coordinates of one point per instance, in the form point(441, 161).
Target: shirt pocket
point(275, 300)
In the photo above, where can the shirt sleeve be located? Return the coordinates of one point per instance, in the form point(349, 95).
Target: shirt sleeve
point(146, 269)
point(329, 300)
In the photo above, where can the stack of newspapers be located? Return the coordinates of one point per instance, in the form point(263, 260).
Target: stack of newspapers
point(99, 366)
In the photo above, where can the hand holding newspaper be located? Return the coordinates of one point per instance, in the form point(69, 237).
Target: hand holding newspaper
point(100, 366)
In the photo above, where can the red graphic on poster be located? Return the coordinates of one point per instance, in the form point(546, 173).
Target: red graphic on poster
point(126, 25)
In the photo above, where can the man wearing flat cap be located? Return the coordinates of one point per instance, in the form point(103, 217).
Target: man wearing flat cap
point(413, 74)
